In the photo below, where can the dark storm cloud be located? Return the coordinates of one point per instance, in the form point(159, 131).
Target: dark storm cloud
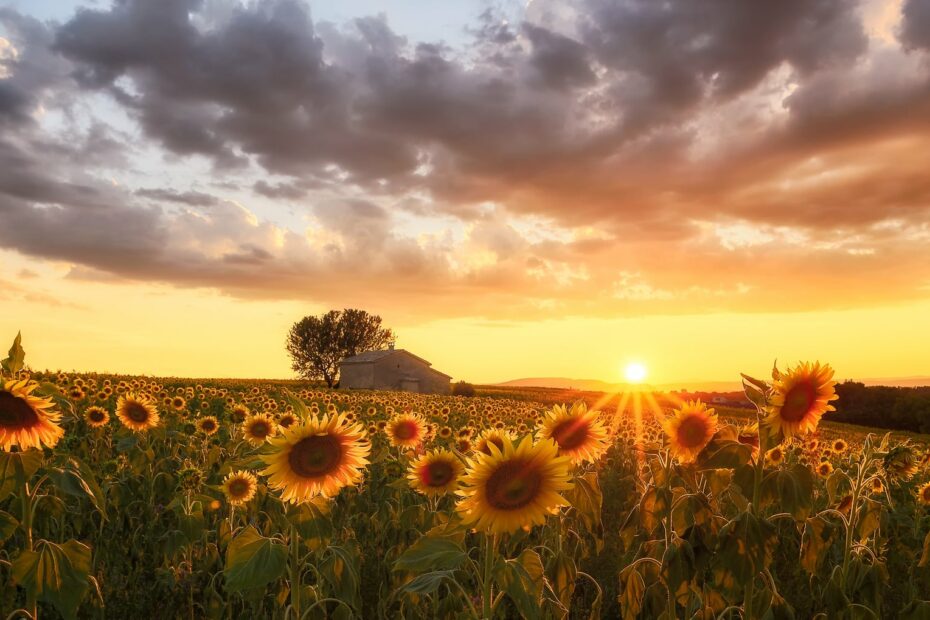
point(560, 61)
point(644, 128)
point(285, 191)
point(31, 71)
point(190, 198)
point(915, 31)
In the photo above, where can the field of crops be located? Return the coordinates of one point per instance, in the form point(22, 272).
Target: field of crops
point(126, 497)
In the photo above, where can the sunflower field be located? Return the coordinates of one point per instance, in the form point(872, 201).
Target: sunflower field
point(128, 497)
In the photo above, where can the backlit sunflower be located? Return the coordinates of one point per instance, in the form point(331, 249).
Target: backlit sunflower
point(515, 487)
point(775, 456)
point(318, 457)
point(239, 413)
point(208, 425)
point(239, 487)
point(258, 428)
point(137, 412)
point(578, 432)
point(900, 463)
point(824, 469)
point(492, 437)
point(923, 494)
point(435, 473)
point(840, 446)
point(689, 429)
point(27, 421)
point(801, 396)
point(406, 430)
point(96, 416)
point(287, 420)
point(749, 435)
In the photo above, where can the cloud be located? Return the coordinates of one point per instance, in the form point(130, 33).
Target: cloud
point(190, 198)
point(915, 32)
point(596, 158)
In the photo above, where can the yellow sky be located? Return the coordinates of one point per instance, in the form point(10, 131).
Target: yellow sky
point(162, 330)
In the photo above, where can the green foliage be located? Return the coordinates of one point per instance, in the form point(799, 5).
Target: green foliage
point(57, 574)
point(253, 561)
point(317, 344)
point(463, 388)
point(15, 361)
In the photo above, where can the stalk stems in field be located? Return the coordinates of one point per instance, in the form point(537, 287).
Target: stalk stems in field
point(490, 548)
point(672, 611)
point(26, 500)
point(294, 570)
point(756, 498)
point(851, 523)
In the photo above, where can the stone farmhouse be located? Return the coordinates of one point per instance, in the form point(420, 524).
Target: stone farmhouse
point(392, 369)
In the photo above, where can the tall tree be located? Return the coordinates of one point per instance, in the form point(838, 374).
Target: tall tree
point(317, 344)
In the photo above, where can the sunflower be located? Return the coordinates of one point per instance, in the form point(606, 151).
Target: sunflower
point(178, 403)
point(239, 413)
point(318, 457)
point(689, 429)
point(26, 420)
point(239, 487)
point(515, 487)
point(775, 456)
point(96, 416)
point(208, 425)
point(492, 436)
point(840, 446)
point(137, 412)
point(877, 486)
point(900, 463)
point(825, 469)
point(748, 435)
point(577, 431)
point(923, 494)
point(435, 473)
point(258, 428)
point(286, 420)
point(406, 430)
point(800, 398)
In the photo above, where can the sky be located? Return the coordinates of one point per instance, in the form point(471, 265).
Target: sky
point(519, 189)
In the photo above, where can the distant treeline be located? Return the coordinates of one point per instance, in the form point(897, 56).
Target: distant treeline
point(898, 408)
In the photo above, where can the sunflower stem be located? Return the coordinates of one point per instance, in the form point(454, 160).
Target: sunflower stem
point(851, 524)
point(26, 500)
point(672, 609)
point(490, 548)
point(294, 570)
point(756, 499)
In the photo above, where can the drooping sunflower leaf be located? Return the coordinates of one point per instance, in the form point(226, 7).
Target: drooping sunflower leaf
point(253, 561)
point(815, 543)
point(431, 554)
point(632, 589)
point(523, 579)
point(340, 569)
point(14, 464)
point(792, 490)
point(8, 525)
point(15, 361)
point(56, 574)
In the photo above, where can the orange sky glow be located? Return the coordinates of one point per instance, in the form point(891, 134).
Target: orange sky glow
point(554, 191)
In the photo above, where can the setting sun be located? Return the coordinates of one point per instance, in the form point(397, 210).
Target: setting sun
point(635, 372)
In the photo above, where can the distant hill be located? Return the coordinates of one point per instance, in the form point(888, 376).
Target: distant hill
point(595, 385)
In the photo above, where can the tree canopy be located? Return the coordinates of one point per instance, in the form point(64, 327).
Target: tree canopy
point(317, 344)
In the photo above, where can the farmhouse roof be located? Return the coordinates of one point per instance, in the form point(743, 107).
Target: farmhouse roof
point(368, 357)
